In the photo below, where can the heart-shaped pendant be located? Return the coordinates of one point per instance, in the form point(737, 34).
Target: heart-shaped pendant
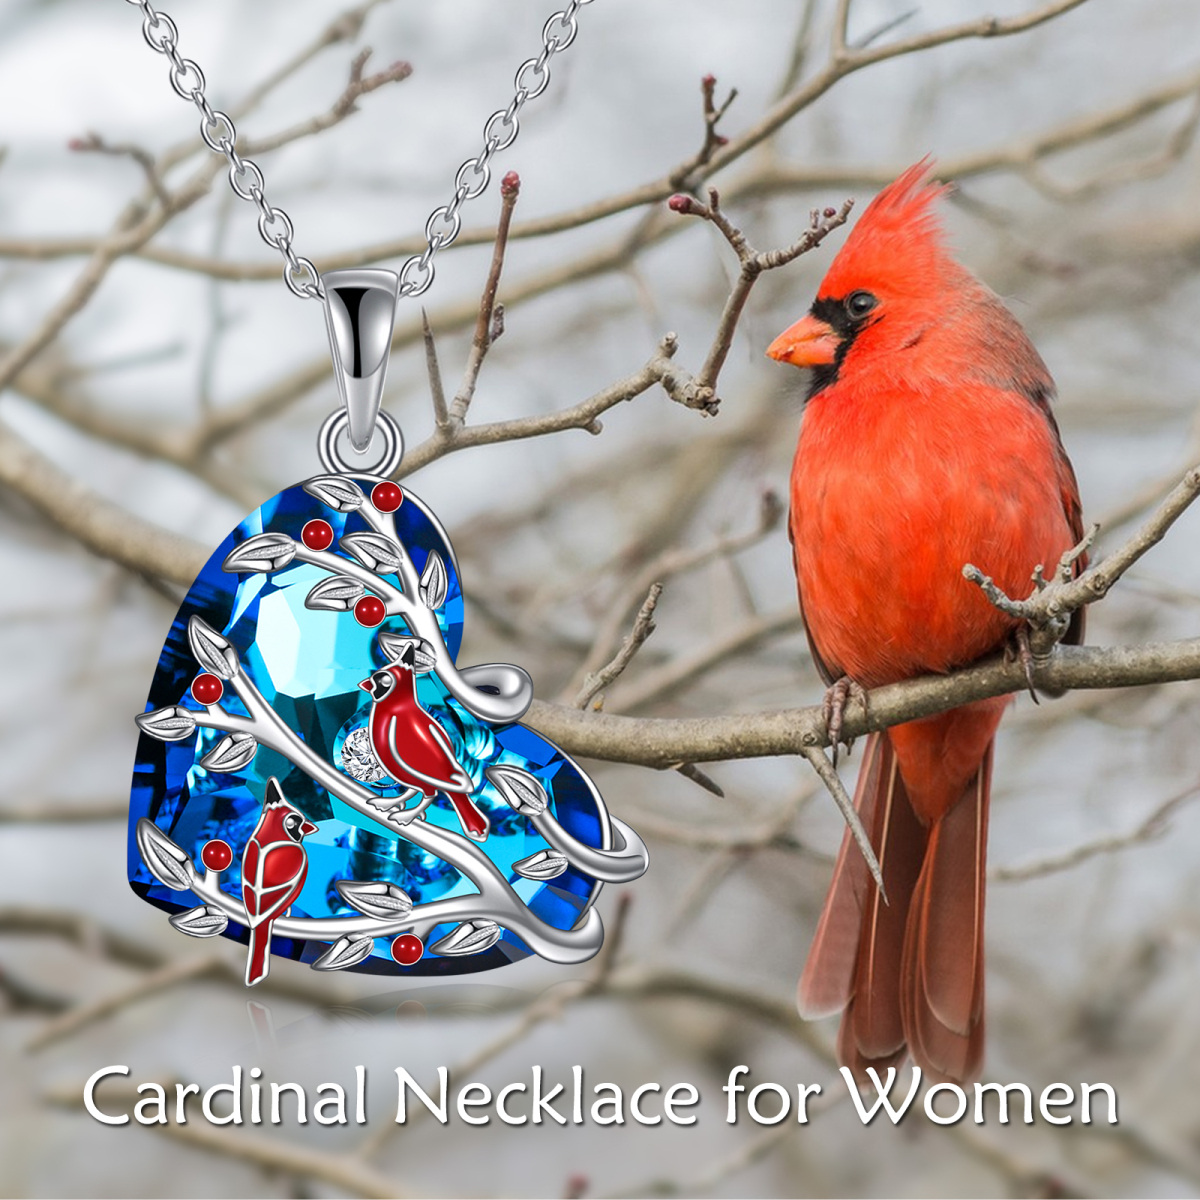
point(316, 776)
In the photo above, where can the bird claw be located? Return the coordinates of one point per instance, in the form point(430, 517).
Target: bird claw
point(1020, 650)
point(833, 709)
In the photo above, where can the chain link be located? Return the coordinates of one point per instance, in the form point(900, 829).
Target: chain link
point(275, 226)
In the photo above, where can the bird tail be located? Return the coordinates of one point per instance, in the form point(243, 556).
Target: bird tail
point(906, 974)
point(258, 961)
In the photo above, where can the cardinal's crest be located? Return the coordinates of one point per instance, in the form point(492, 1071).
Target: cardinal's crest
point(441, 836)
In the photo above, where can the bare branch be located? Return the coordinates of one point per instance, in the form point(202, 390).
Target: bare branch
point(510, 189)
point(643, 627)
point(1049, 608)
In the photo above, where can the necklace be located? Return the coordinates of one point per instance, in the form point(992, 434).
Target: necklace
point(316, 776)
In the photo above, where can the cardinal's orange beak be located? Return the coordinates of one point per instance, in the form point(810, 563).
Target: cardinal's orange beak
point(811, 342)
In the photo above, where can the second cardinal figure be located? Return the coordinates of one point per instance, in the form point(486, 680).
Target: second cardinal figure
point(927, 443)
point(274, 867)
point(412, 747)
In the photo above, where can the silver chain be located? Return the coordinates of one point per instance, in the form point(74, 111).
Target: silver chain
point(275, 226)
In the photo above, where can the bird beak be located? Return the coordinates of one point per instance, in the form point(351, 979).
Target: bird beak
point(811, 342)
point(307, 828)
point(367, 685)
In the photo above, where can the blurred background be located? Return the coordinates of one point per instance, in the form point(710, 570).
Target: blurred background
point(188, 388)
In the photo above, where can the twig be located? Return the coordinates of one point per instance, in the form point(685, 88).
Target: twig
point(52, 812)
point(481, 343)
point(441, 415)
point(1151, 827)
point(828, 775)
point(346, 1173)
point(1049, 608)
point(359, 85)
point(667, 565)
point(671, 676)
point(161, 980)
point(752, 264)
point(643, 627)
point(93, 143)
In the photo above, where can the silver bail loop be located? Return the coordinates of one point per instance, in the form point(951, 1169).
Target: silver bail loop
point(360, 310)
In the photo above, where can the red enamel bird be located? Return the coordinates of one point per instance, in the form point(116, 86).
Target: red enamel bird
point(412, 747)
point(274, 865)
point(927, 443)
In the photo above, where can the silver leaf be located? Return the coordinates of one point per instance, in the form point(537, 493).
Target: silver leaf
point(263, 552)
point(344, 953)
point(425, 656)
point(167, 861)
point(167, 724)
point(212, 651)
point(433, 581)
point(376, 899)
point(338, 492)
point(545, 864)
point(394, 645)
point(519, 788)
point(231, 753)
point(338, 593)
point(380, 554)
point(204, 921)
point(471, 937)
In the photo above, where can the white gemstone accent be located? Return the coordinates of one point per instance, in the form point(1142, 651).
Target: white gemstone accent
point(358, 759)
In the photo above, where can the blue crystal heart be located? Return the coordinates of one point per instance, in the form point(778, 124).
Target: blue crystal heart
point(317, 649)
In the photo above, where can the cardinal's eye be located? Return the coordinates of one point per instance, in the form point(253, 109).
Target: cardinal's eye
point(858, 304)
point(291, 824)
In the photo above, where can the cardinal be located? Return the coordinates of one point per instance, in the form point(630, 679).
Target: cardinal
point(927, 443)
point(274, 866)
point(412, 747)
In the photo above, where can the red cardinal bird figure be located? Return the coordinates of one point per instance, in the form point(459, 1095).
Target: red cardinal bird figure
point(927, 443)
point(274, 865)
point(412, 747)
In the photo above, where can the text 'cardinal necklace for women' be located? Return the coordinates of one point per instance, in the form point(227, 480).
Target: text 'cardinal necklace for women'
point(316, 776)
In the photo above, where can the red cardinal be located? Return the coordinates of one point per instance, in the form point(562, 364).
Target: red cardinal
point(273, 869)
point(927, 443)
point(412, 747)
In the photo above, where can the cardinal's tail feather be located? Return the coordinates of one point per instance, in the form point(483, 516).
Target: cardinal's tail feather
point(258, 961)
point(474, 822)
point(942, 973)
point(854, 963)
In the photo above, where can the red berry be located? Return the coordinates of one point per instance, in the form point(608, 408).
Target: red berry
point(386, 496)
point(216, 855)
point(317, 535)
point(407, 949)
point(207, 689)
point(369, 611)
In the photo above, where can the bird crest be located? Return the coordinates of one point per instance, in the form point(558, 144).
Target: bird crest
point(898, 241)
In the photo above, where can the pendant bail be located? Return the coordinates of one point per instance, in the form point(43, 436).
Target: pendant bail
point(360, 311)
